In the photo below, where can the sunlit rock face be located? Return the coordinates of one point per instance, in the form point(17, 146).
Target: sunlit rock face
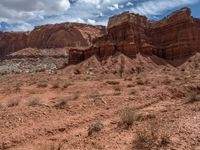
point(50, 36)
point(174, 37)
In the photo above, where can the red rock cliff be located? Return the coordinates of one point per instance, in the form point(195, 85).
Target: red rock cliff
point(175, 37)
point(50, 36)
point(12, 41)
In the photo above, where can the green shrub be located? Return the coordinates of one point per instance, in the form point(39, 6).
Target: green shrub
point(96, 127)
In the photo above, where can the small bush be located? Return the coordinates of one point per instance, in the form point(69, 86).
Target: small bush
point(13, 102)
point(95, 95)
point(42, 84)
point(55, 85)
point(133, 92)
point(194, 98)
point(178, 78)
point(62, 102)
point(117, 88)
point(150, 137)
point(130, 85)
point(121, 71)
point(116, 93)
point(167, 81)
point(76, 96)
point(34, 101)
point(112, 82)
point(140, 82)
point(127, 116)
point(66, 84)
point(96, 127)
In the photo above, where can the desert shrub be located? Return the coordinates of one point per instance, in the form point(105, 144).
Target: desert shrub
point(133, 92)
point(75, 96)
point(150, 136)
point(112, 82)
point(55, 85)
point(193, 98)
point(177, 78)
point(167, 81)
point(127, 116)
point(61, 102)
point(121, 71)
point(17, 88)
point(42, 84)
point(196, 108)
point(140, 82)
point(34, 101)
point(130, 85)
point(117, 88)
point(96, 127)
point(116, 93)
point(95, 95)
point(13, 102)
point(66, 84)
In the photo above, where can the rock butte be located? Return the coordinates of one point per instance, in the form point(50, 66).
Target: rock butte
point(174, 38)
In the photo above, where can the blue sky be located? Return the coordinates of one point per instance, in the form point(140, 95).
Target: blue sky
point(23, 15)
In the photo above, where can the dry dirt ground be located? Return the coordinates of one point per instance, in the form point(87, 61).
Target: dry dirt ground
point(43, 111)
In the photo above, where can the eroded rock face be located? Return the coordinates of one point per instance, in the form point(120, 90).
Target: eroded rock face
point(50, 36)
point(175, 37)
point(12, 41)
point(64, 35)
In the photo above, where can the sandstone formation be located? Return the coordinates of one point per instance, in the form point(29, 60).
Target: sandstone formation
point(50, 36)
point(173, 38)
point(176, 36)
point(12, 41)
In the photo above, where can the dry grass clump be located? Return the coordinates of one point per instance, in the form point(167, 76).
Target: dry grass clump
point(117, 88)
point(167, 81)
point(113, 82)
point(34, 101)
point(55, 85)
point(133, 92)
point(95, 95)
point(150, 136)
point(62, 102)
point(130, 85)
point(42, 84)
point(16, 88)
point(13, 102)
point(66, 84)
point(178, 78)
point(75, 96)
point(127, 116)
point(194, 98)
point(96, 127)
point(140, 82)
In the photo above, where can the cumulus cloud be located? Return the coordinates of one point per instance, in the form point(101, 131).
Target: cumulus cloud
point(155, 7)
point(27, 9)
point(25, 14)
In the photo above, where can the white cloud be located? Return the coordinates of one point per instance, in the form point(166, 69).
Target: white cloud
point(24, 14)
point(90, 21)
point(22, 10)
point(113, 7)
point(129, 4)
point(155, 7)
